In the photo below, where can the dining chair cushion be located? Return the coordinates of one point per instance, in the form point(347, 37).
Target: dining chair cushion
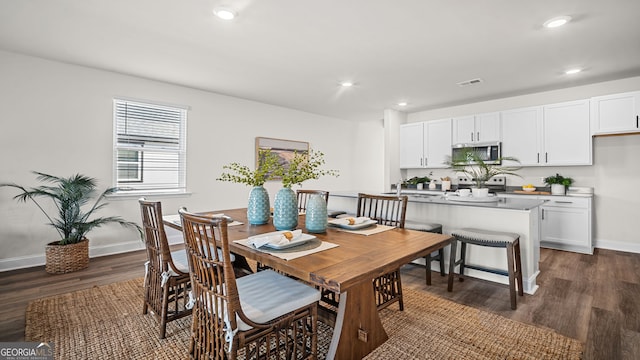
point(179, 258)
point(267, 295)
point(487, 236)
point(420, 226)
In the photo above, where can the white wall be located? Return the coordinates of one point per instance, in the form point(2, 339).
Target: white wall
point(615, 162)
point(57, 118)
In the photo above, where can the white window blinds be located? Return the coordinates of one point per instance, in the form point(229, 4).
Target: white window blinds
point(149, 147)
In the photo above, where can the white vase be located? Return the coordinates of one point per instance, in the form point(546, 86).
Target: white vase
point(479, 192)
point(557, 189)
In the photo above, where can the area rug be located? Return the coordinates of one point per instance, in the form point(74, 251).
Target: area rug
point(106, 322)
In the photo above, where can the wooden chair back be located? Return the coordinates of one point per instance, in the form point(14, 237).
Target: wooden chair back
point(304, 195)
point(165, 286)
point(217, 313)
point(213, 284)
point(386, 210)
point(155, 238)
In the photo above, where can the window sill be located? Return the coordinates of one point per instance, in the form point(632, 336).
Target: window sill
point(146, 194)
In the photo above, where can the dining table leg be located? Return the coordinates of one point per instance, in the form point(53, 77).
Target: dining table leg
point(358, 330)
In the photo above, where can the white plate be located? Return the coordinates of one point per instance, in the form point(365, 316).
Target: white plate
point(338, 223)
point(302, 239)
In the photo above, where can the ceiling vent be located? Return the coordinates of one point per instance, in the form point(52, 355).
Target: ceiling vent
point(470, 82)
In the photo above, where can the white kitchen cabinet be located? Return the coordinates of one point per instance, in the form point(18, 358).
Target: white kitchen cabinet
point(437, 145)
point(567, 136)
point(549, 135)
point(615, 114)
point(566, 224)
point(411, 145)
point(476, 128)
point(425, 144)
point(521, 135)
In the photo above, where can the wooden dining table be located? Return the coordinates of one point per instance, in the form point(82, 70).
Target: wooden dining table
point(347, 269)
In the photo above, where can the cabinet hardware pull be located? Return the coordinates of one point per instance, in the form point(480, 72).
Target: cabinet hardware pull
point(538, 161)
point(472, 136)
point(426, 161)
point(420, 161)
point(478, 136)
point(564, 202)
point(542, 214)
point(546, 157)
point(637, 116)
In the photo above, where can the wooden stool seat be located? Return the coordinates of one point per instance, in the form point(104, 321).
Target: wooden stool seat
point(510, 241)
point(432, 228)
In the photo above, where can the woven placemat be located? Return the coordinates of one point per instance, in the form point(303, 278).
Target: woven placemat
point(106, 322)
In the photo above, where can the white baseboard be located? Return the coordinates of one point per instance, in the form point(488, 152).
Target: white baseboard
point(22, 262)
point(173, 237)
point(617, 245)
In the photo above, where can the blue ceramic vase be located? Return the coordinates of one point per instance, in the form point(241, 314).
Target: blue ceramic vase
point(285, 210)
point(258, 210)
point(316, 214)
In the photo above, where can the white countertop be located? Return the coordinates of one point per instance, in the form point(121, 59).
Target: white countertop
point(423, 196)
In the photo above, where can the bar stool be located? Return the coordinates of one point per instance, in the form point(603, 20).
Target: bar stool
point(432, 228)
point(473, 236)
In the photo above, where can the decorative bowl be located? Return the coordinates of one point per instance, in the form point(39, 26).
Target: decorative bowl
point(529, 189)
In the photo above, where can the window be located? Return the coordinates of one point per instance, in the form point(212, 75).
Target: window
point(149, 147)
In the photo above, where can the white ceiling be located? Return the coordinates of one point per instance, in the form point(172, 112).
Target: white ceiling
point(294, 53)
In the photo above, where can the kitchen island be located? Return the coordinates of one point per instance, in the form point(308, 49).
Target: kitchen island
point(517, 215)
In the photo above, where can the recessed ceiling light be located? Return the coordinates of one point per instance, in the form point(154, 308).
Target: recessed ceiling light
point(557, 21)
point(573, 71)
point(346, 84)
point(403, 103)
point(225, 14)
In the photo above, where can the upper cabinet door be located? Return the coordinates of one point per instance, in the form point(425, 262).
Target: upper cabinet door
point(411, 145)
point(476, 128)
point(437, 144)
point(567, 135)
point(521, 132)
point(488, 127)
point(464, 130)
point(615, 114)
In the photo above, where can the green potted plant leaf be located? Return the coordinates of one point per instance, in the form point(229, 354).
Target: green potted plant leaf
point(258, 209)
point(416, 181)
point(71, 252)
point(472, 165)
point(302, 167)
point(558, 183)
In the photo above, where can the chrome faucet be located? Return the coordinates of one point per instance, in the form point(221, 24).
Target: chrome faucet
point(399, 187)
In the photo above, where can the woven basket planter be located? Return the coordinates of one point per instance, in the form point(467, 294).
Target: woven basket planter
point(62, 259)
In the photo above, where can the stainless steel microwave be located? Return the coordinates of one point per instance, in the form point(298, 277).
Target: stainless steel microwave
point(489, 152)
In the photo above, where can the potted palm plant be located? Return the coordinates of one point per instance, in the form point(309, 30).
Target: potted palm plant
point(472, 165)
point(71, 252)
point(558, 183)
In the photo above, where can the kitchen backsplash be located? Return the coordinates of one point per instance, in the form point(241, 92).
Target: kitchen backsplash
point(582, 175)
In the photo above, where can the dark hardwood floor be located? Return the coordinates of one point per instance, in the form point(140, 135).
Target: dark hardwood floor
point(595, 299)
